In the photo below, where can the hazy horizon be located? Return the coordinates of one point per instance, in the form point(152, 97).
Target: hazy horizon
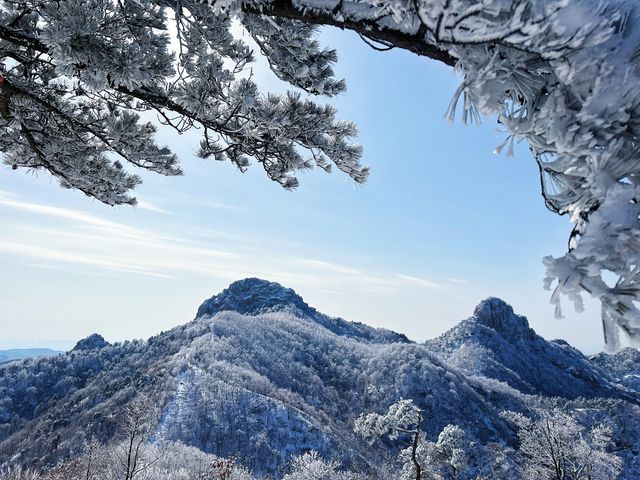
point(68, 344)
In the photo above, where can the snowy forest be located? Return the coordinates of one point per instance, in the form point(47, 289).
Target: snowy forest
point(261, 385)
point(553, 446)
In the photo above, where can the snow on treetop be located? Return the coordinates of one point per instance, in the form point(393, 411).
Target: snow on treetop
point(253, 296)
point(92, 342)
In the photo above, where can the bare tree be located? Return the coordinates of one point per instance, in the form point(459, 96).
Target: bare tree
point(311, 466)
point(136, 429)
point(556, 447)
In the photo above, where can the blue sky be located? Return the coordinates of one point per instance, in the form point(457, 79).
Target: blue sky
point(441, 224)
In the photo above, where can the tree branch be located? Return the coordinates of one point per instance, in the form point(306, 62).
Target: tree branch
point(415, 43)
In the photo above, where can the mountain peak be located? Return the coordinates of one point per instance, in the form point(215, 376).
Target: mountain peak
point(92, 342)
point(253, 296)
point(497, 343)
point(498, 315)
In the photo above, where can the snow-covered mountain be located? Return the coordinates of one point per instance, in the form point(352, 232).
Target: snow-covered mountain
point(253, 296)
point(261, 375)
point(498, 344)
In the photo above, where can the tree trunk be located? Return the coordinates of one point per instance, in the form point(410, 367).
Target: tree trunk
point(414, 458)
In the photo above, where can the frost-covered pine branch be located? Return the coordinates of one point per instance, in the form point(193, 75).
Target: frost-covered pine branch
point(445, 458)
point(75, 77)
point(403, 418)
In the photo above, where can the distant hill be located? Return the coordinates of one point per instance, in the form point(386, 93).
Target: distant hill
point(262, 376)
point(20, 353)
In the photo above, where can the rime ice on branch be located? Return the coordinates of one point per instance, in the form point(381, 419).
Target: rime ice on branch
point(75, 76)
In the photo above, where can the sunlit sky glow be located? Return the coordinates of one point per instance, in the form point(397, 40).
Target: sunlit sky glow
point(441, 224)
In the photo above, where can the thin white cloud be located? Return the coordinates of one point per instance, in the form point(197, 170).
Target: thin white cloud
point(102, 230)
point(85, 239)
point(44, 266)
point(210, 234)
point(151, 207)
point(422, 282)
point(98, 246)
point(198, 201)
point(45, 253)
point(328, 266)
point(460, 281)
point(105, 226)
point(56, 212)
point(332, 292)
point(188, 201)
